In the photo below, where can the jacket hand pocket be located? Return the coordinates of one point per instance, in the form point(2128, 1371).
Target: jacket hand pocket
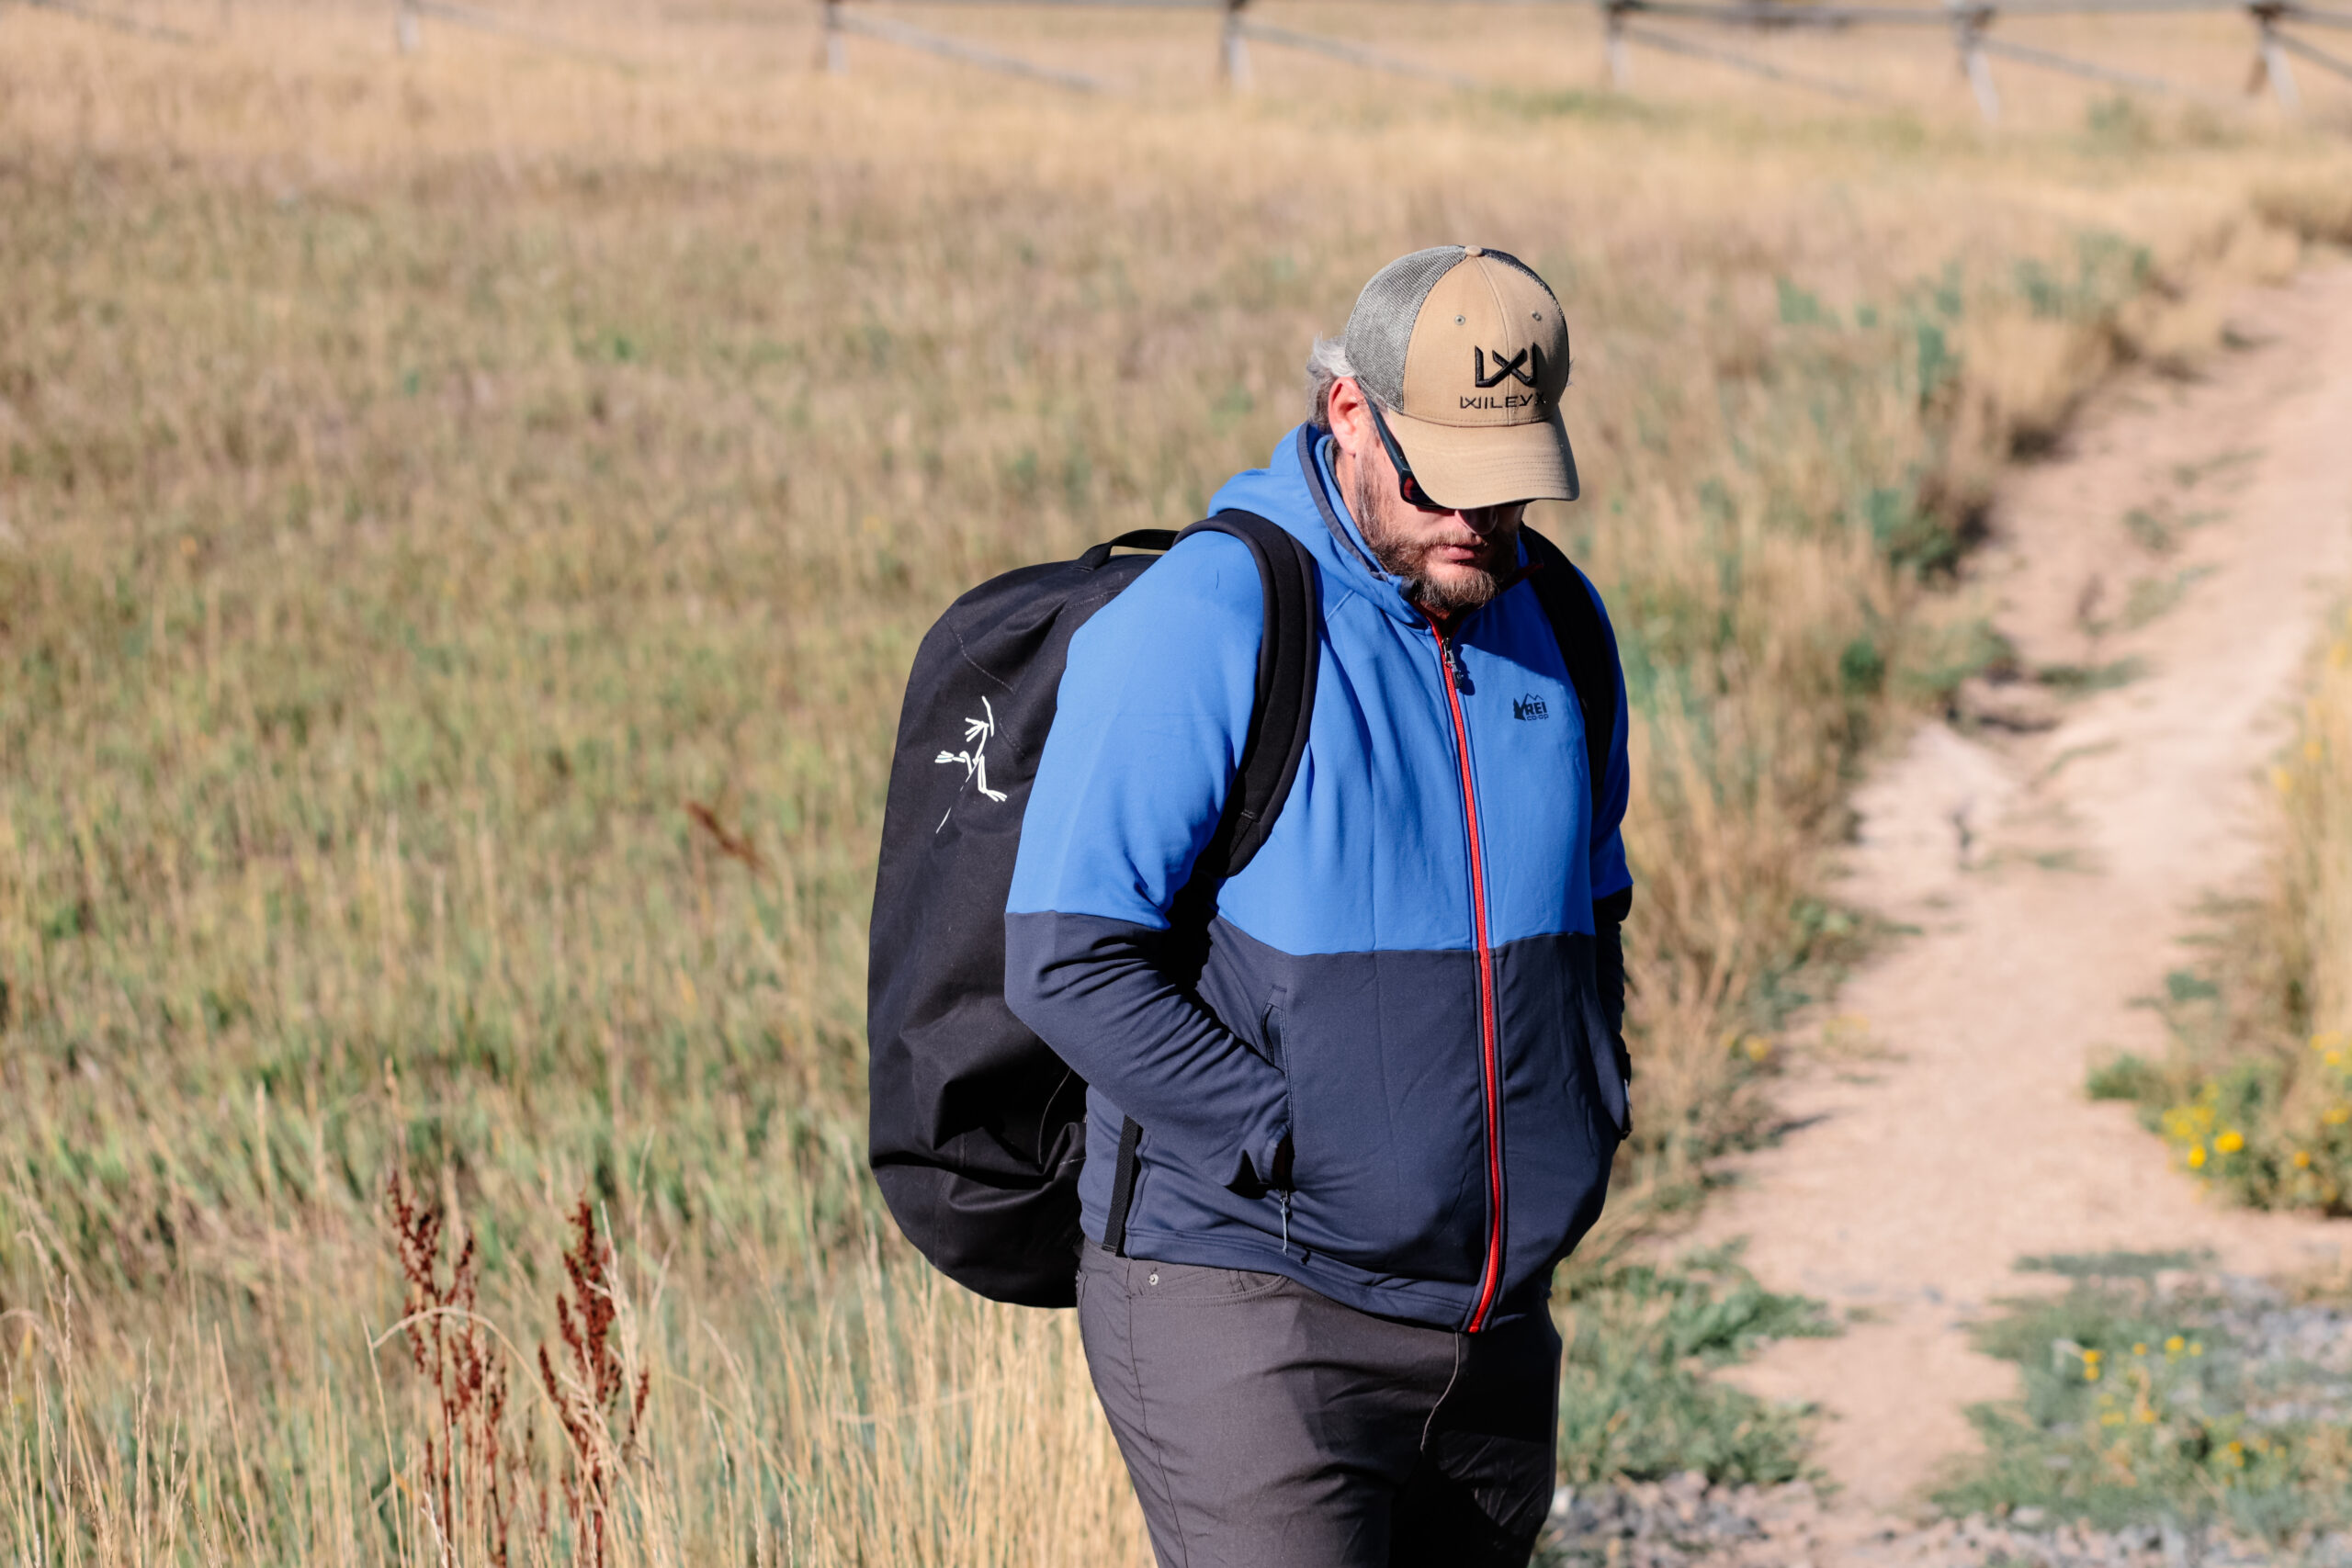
point(1266, 1166)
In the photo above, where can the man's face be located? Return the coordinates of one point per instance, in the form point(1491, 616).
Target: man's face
point(1450, 561)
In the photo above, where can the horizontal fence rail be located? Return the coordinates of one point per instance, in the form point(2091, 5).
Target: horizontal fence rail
point(2317, 56)
point(1668, 43)
point(838, 21)
point(1353, 53)
point(121, 24)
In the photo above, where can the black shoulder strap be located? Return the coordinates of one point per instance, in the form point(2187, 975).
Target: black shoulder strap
point(1285, 699)
point(1271, 751)
point(1586, 647)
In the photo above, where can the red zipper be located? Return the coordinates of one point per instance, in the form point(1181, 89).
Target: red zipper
point(1492, 1274)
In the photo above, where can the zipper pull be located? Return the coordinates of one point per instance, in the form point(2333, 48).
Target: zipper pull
point(1283, 1196)
point(1449, 650)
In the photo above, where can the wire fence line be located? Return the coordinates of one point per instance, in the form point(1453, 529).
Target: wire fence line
point(1625, 23)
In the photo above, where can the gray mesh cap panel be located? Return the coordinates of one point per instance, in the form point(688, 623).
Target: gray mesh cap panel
point(1513, 262)
point(1381, 326)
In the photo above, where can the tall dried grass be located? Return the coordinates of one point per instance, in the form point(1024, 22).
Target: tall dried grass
point(464, 522)
point(2313, 900)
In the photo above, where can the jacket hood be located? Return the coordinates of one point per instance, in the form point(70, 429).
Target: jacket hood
point(1294, 490)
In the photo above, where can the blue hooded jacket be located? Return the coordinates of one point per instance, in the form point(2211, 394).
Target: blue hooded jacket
point(1401, 981)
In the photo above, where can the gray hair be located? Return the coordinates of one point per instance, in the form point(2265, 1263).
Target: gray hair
point(1326, 361)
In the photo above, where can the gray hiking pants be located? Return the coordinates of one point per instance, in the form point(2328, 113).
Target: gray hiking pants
point(1266, 1426)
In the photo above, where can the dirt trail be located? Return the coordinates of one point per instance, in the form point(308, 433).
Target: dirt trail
point(2051, 874)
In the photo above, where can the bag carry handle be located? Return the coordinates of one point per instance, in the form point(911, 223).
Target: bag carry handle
point(1099, 556)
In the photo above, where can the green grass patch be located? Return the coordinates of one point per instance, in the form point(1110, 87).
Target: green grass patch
point(2147, 1401)
point(1636, 1398)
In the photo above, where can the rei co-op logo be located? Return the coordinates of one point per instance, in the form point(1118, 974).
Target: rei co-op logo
point(978, 733)
point(1528, 706)
point(1525, 367)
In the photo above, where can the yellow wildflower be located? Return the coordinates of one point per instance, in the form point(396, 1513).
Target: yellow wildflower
point(2335, 1115)
point(2334, 1059)
point(2282, 781)
point(2196, 1156)
point(2147, 1416)
point(2173, 1345)
point(2110, 1418)
point(2139, 1349)
point(2196, 1348)
point(2230, 1142)
point(2090, 1372)
point(2303, 1160)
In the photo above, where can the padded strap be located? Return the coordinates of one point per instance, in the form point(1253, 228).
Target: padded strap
point(1586, 648)
point(1284, 709)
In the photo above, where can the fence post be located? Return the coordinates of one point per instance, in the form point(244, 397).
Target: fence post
point(1968, 24)
point(833, 49)
point(1613, 45)
point(2275, 68)
point(405, 31)
point(1233, 60)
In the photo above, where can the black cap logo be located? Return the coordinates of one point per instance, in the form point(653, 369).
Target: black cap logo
point(1526, 368)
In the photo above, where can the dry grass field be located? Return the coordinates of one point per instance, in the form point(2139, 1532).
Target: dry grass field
point(464, 521)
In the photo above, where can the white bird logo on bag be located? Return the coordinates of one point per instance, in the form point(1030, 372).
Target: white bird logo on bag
point(975, 757)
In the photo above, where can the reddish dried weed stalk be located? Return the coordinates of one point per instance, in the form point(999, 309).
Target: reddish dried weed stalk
point(469, 1469)
point(600, 1410)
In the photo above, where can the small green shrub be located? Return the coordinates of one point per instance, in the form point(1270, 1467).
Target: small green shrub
point(2125, 1076)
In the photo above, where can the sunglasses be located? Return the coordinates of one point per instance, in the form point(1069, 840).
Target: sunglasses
point(1407, 485)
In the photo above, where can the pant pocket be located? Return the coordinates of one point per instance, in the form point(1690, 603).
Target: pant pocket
point(1191, 1285)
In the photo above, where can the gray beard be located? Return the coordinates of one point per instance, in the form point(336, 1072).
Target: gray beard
point(1401, 557)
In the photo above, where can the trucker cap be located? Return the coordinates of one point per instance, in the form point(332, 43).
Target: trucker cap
point(1467, 352)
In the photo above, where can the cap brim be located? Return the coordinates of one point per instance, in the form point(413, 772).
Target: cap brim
point(1466, 466)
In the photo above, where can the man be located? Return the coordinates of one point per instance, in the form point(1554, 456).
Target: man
point(1379, 1104)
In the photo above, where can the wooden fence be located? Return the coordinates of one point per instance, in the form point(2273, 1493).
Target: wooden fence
point(1630, 22)
point(2282, 32)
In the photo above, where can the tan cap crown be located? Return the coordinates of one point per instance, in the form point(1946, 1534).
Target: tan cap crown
point(1467, 351)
